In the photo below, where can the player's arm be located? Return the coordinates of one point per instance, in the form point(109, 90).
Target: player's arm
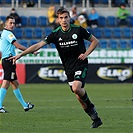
point(94, 42)
point(31, 49)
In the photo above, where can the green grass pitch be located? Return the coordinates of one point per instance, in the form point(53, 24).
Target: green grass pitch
point(58, 111)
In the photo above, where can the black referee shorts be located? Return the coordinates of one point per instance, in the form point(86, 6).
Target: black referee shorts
point(9, 70)
point(80, 74)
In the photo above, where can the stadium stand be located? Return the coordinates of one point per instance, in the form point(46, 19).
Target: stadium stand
point(18, 33)
point(52, 45)
point(117, 32)
point(97, 32)
point(24, 42)
point(3, 18)
point(123, 44)
point(47, 30)
point(42, 21)
point(131, 44)
point(8, 1)
point(33, 41)
point(32, 21)
point(24, 20)
point(102, 21)
point(103, 44)
point(126, 32)
point(113, 44)
point(130, 18)
point(28, 33)
point(38, 32)
point(45, 1)
point(86, 43)
point(107, 32)
point(111, 21)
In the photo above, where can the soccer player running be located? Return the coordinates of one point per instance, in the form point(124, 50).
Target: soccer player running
point(69, 41)
point(8, 42)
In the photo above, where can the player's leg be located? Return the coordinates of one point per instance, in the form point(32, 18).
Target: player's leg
point(18, 94)
point(5, 83)
point(3, 90)
point(87, 105)
point(77, 83)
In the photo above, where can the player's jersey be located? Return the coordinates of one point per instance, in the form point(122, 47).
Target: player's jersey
point(6, 46)
point(70, 45)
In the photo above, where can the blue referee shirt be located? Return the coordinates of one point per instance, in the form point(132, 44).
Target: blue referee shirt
point(6, 46)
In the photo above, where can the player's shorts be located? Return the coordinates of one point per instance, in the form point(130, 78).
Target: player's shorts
point(79, 74)
point(9, 70)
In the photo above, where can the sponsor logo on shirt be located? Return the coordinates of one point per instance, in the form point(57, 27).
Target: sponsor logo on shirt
point(68, 44)
point(60, 39)
point(74, 36)
point(11, 36)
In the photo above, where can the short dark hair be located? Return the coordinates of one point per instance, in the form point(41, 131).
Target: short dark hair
point(61, 11)
point(9, 17)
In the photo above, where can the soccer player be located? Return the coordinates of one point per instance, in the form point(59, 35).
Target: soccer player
point(8, 42)
point(69, 41)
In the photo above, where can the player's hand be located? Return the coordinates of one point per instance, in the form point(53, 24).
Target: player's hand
point(14, 58)
point(82, 56)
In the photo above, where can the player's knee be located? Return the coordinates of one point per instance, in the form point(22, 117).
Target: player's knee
point(76, 90)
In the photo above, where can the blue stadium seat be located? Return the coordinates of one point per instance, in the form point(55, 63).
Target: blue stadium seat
point(96, 1)
point(32, 21)
point(52, 45)
point(33, 41)
point(3, 18)
point(24, 42)
point(123, 44)
point(101, 21)
point(18, 33)
point(131, 32)
point(24, 20)
point(107, 32)
point(113, 44)
point(46, 1)
point(36, 1)
point(97, 32)
point(57, 1)
point(87, 43)
point(103, 44)
point(8, 1)
point(38, 32)
point(117, 32)
point(47, 30)
point(111, 21)
point(104, 1)
point(130, 42)
point(126, 32)
point(42, 21)
point(130, 18)
point(28, 33)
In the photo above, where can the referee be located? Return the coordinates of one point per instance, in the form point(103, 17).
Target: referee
point(8, 42)
point(69, 41)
